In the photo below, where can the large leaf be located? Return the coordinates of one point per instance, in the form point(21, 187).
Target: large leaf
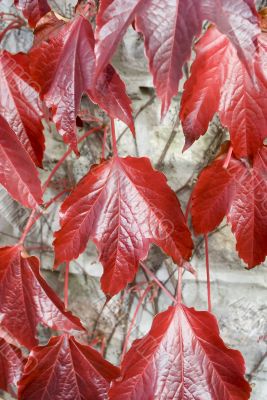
point(238, 192)
point(70, 74)
point(17, 171)
point(123, 205)
point(33, 10)
point(66, 370)
point(26, 300)
point(11, 366)
point(20, 104)
point(220, 82)
point(182, 358)
point(169, 28)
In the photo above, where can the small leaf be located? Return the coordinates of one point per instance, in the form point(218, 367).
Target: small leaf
point(182, 357)
point(17, 171)
point(26, 300)
point(66, 370)
point(123, 205)
point(33, 10)
point(238, 192)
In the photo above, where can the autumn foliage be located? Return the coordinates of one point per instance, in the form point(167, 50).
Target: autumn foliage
point(124, 205)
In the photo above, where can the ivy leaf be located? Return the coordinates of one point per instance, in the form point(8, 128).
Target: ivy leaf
point(65, 370)
point(22, 107)
point(238, 192)
point(169, 28)
point(182, 357)
point(220, 82)
point(17, 171)
point(123, 205)
point(70, 74)
point(11, 366)
point(26, 300)
point(33, 10)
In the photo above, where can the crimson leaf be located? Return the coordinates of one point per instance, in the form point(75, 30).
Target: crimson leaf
point(17, 171)
point(123, 205)
point(220, 82)
point(240, 193)
point(66, 370)
point(169, 28)
point(11, 366)
point(26, 300)
point(182, 357)
point(22, 107)
point(33, 10)
point(70, 74)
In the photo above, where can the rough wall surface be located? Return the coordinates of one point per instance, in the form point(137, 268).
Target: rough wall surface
point(238, 295)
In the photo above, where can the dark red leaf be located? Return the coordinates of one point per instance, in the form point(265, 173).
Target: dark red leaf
point(71, 73)
point(26, 300)
point(66, 370)
point(220, 82)
point(123, 205)
point(17, 171)
point(238, 192)
point(182, 357)
point(33, 10)
point(20, 105)
point(169, 28)
point(11, 366)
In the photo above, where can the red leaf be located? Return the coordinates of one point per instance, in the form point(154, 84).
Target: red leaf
point(62, 87)
point(182, 357)
point(240, 193)
point(17, 171)
point(26, 300)
point(20, 105)
point(48, 27)
point(66, 370)
point(169, 29)
point(123, 205)
point(220, 82)
point(11, 366)
point(33, 10)
point(110, 94)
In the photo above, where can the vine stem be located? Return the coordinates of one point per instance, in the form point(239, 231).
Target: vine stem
point(65, 155)
point(140, 302)
point(164, 289)
point(208, 271)
point(33, 218)
point(114, 140)
point(228, 157)
point(66, 286)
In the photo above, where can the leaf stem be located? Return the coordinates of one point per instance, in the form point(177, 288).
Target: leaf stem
point(140, 302)
point(208, 271)
point(114, 140)
point(66, 286)
point(179, 286)
point(164, 289)
point(228, 157)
